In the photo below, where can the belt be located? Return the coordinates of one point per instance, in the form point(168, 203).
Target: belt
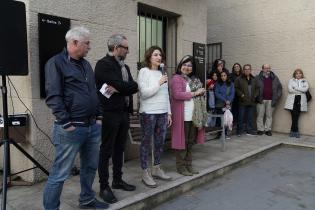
point(84, 122)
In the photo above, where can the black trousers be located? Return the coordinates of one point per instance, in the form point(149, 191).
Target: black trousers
point(235, 108)
point(295, 114)
point(115, 127)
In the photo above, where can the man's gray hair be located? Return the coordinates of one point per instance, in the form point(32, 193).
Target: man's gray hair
point(78, 33)
point(115, 40)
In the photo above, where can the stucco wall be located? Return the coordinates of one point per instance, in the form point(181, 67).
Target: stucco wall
point(264, 31)
point(103, 18)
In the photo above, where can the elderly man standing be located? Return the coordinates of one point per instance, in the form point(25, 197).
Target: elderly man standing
point(114, 80)
point(270, 91)
point(71, 94)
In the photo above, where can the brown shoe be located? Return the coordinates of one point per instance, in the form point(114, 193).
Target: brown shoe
point(183, 171)
point(192, 170)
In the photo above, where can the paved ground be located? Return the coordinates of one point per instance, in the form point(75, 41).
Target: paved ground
point(205, 157)
point(284, 179)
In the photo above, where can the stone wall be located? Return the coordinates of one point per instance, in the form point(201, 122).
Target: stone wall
point(103, 18)
point(263, 31)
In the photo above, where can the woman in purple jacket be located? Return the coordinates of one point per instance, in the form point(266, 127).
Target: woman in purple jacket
point(188, 114)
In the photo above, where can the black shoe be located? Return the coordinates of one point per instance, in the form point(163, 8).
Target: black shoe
point(75, 171)
point(107, 195)
point(95, 204)
point(260, 133)
point(268, 133)
point(251, 133)
point(123, 185)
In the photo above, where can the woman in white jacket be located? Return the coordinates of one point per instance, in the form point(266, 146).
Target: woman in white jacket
point(155, 113)
point(296, 100)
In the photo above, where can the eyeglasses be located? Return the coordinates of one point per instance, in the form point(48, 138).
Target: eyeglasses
point(126, 48)
point(187, 65)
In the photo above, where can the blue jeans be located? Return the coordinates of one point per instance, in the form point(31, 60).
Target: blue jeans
point(67, 145)
point(249, 121)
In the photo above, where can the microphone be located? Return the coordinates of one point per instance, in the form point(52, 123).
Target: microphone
point(162, 68)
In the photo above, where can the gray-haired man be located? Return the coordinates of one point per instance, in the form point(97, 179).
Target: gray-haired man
point(71, 94)
point(112, 72)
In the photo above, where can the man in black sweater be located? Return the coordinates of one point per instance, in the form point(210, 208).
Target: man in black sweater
point(113, 78)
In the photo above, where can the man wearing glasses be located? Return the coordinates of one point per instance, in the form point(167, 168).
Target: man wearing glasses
point(270, 91)
point(116, 86)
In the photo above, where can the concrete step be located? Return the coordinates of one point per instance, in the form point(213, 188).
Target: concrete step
point(172, 189)
point(208, 159)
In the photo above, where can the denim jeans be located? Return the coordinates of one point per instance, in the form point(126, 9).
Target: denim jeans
point(67, 145)
point(249, 121)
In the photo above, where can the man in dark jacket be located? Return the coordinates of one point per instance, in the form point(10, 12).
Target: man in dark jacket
point(270, 91)
point(114, 79)
point(71, 94)
point(246, 91)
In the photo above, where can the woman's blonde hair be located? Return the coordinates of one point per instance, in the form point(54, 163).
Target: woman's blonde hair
point(296, 71)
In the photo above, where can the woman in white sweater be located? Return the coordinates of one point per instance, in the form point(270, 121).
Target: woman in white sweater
point(296, 100)
point(155, 113)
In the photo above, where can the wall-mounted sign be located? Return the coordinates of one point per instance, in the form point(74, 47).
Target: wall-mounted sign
point(199, 51)
point(52, 31)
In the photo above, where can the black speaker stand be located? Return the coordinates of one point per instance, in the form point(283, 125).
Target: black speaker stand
point(6, 148)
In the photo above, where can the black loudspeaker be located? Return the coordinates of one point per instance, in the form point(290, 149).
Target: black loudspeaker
point(51, 38)
point(13, 38)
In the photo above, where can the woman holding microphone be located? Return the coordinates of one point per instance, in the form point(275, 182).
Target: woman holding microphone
point(155, 113)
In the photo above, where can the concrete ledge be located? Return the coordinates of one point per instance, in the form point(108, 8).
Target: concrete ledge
point(297, 144)
point(154, 197)
point(208, 159)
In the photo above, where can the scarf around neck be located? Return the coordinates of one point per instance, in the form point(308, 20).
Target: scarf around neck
point(200, 114)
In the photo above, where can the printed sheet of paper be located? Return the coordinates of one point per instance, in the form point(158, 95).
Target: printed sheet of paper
point(103, 91)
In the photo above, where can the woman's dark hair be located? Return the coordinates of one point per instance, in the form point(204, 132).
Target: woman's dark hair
point(148, 53)
point(212, 73)
point(186, 59)
point(233, 71)
point(216, 62)
point(228, 80)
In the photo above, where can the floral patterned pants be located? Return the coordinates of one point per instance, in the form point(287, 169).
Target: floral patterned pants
point(153, 126)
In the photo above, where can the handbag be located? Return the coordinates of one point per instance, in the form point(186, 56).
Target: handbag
point(228, 119)
point(308, 96)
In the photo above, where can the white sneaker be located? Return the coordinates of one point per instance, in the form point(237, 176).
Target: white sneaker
point(157, 172)
point(147, 179)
